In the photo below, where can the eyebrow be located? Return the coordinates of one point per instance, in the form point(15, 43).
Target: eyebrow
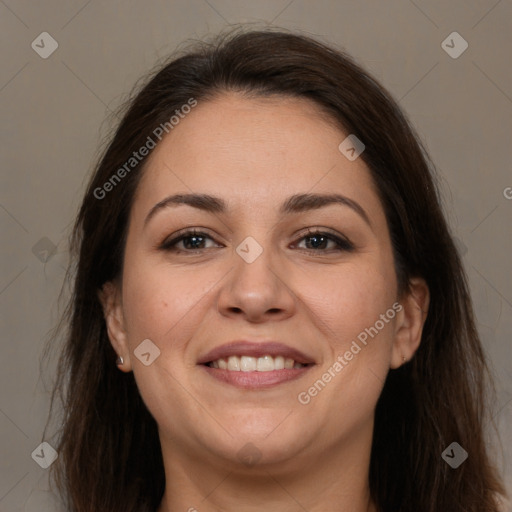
point(294, 204)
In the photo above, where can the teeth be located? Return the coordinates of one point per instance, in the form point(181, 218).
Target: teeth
point(279, 363)
point(234, 363)
point(265, 364)
point(251, 364)
point(247, 364)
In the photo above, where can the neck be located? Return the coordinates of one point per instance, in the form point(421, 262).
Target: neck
point(334, 479)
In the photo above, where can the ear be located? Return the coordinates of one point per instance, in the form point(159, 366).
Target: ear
point(409, 321)
point(110, 298)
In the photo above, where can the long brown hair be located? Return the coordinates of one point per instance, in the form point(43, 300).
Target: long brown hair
point(109, 451)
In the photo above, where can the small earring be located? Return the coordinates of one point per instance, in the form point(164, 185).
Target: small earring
point(119, 361)
point(404, 359)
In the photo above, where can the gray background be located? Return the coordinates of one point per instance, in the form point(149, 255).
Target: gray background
point(54, 114)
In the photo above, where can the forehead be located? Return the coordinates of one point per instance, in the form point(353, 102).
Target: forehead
point(253, 152)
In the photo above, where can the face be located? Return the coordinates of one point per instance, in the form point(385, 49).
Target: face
point(260, 275)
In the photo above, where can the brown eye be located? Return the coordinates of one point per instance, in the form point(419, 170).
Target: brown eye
point(191, 241)
point(318, 241)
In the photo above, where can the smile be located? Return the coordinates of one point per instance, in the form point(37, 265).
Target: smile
point(266, 363)
point(255, 365)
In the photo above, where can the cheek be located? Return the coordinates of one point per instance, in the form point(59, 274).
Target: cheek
point(357, 309)
point(155, 299)
point(163, 305)
point(347, 299)
point(166, 304)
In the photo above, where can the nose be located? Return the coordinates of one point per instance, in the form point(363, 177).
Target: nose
point(257, 291)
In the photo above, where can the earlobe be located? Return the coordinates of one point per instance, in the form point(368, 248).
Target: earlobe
point(110, 299)
point(410, 321)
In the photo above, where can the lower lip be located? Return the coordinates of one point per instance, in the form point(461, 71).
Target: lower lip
point(256, 380)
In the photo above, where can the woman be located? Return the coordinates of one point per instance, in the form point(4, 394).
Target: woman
point(262, 252)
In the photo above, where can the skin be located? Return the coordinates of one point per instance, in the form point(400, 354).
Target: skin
point(254, 153)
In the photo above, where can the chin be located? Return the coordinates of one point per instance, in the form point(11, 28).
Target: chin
point(259, 445)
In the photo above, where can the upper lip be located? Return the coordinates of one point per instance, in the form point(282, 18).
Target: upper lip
point(254, 349)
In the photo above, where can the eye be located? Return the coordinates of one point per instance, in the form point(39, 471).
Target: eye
point(191, 241)
point(318, 241)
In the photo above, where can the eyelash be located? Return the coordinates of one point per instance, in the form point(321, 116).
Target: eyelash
point(343, 245)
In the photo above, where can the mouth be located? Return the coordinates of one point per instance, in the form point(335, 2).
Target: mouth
point(266, 363)
point(253, 365)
